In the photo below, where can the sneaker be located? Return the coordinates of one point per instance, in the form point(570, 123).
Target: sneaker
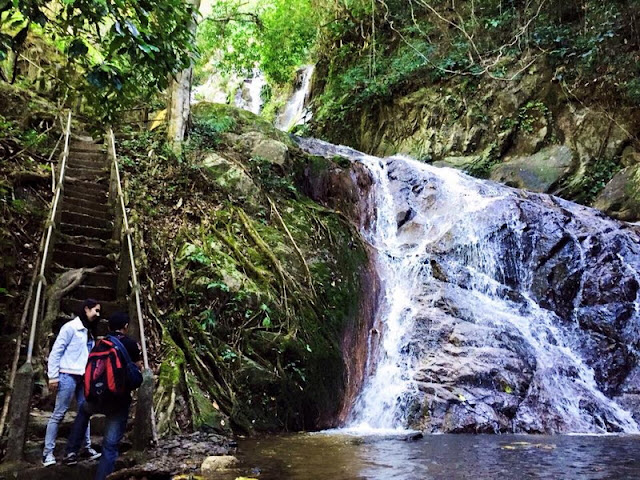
point(90, 454)
point(70, 459)
point(48, 460)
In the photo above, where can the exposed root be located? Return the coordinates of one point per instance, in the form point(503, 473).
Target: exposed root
point(64, 284)
point(295, 246)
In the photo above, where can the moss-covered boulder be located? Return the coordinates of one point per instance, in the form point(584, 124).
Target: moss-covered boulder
point(621, 196)
point(539, 172)
point(228, 175)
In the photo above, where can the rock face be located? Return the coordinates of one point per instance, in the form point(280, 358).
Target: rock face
point(525, 133)
point(500, 310)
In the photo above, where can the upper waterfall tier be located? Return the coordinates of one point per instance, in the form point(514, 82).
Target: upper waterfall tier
point(295, 111)
point(500, 310)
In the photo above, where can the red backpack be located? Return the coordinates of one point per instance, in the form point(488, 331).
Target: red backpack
point(105, 375)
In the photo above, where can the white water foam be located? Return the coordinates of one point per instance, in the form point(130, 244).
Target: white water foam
point(425, 213)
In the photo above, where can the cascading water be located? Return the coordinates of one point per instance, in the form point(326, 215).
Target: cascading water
point(248, 96)
point(493, 307)
point(295, 111)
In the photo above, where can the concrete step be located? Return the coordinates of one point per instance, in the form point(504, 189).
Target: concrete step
point(86, 231)
point(102, 279)
point(84, 186)
point(85, 175)
point(81, 260)
point(79, 162)
point(72, 306)
point(87, 156)
point(87, 249)
point(38, 420)
point(95, 209)
point(82, 219)
point(95, 170)
point(77, 196)
point(102, 294)
point(87, 241)
point(86, 146)
point(107, 279)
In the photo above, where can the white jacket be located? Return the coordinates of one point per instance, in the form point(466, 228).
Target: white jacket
point(70, 351)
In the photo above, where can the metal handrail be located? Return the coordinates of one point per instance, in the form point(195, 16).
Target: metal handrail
point(47, 242)
point(127, 230)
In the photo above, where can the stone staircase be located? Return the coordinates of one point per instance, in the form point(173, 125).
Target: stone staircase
point(86, 227)
point(84, 239)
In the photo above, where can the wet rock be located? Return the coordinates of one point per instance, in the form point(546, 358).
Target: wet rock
point(523, 306)
point(414, 437)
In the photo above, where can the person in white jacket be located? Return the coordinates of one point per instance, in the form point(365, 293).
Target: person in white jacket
point(67, 362)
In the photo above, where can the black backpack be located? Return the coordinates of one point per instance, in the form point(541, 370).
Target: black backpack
point(110, 374)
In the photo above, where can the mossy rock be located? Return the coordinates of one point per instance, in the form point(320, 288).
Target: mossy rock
point(230, 177)
point(238, 121)
point(539, 172)
point(621, 196)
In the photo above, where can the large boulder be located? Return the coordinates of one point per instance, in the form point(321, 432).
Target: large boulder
point(229, 175)
point(538, 172)
point(621, 196)
point(213, 465)
point(273, 151)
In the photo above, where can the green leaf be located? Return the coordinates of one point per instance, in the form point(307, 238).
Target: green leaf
point(77, 48)
point(132, 28)
point(266, 322)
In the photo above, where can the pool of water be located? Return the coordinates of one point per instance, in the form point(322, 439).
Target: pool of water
point(347, 457)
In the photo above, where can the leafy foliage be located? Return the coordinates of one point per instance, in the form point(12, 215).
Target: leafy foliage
point(123, 50)
point(271, 35)
point(371, 51)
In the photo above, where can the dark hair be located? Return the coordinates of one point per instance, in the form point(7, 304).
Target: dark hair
point(88, 303)
point(118, 320)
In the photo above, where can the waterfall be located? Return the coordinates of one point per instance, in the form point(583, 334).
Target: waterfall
point(295, 111)
point(248, 96)
point(490, 310)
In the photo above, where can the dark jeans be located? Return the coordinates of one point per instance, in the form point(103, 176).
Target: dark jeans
point(115, 425)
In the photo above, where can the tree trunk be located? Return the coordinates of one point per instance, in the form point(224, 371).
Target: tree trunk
point(180, 99)
point(178, 111)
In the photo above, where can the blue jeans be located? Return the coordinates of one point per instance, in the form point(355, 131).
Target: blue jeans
point(68, 387)
point(114, 427)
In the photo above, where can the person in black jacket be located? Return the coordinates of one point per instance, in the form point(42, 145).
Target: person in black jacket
point(116, 412)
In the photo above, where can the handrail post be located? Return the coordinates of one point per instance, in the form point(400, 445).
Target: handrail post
point(23, 386)
point(144, 424)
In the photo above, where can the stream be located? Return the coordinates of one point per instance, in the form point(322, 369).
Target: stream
point(342, 457)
